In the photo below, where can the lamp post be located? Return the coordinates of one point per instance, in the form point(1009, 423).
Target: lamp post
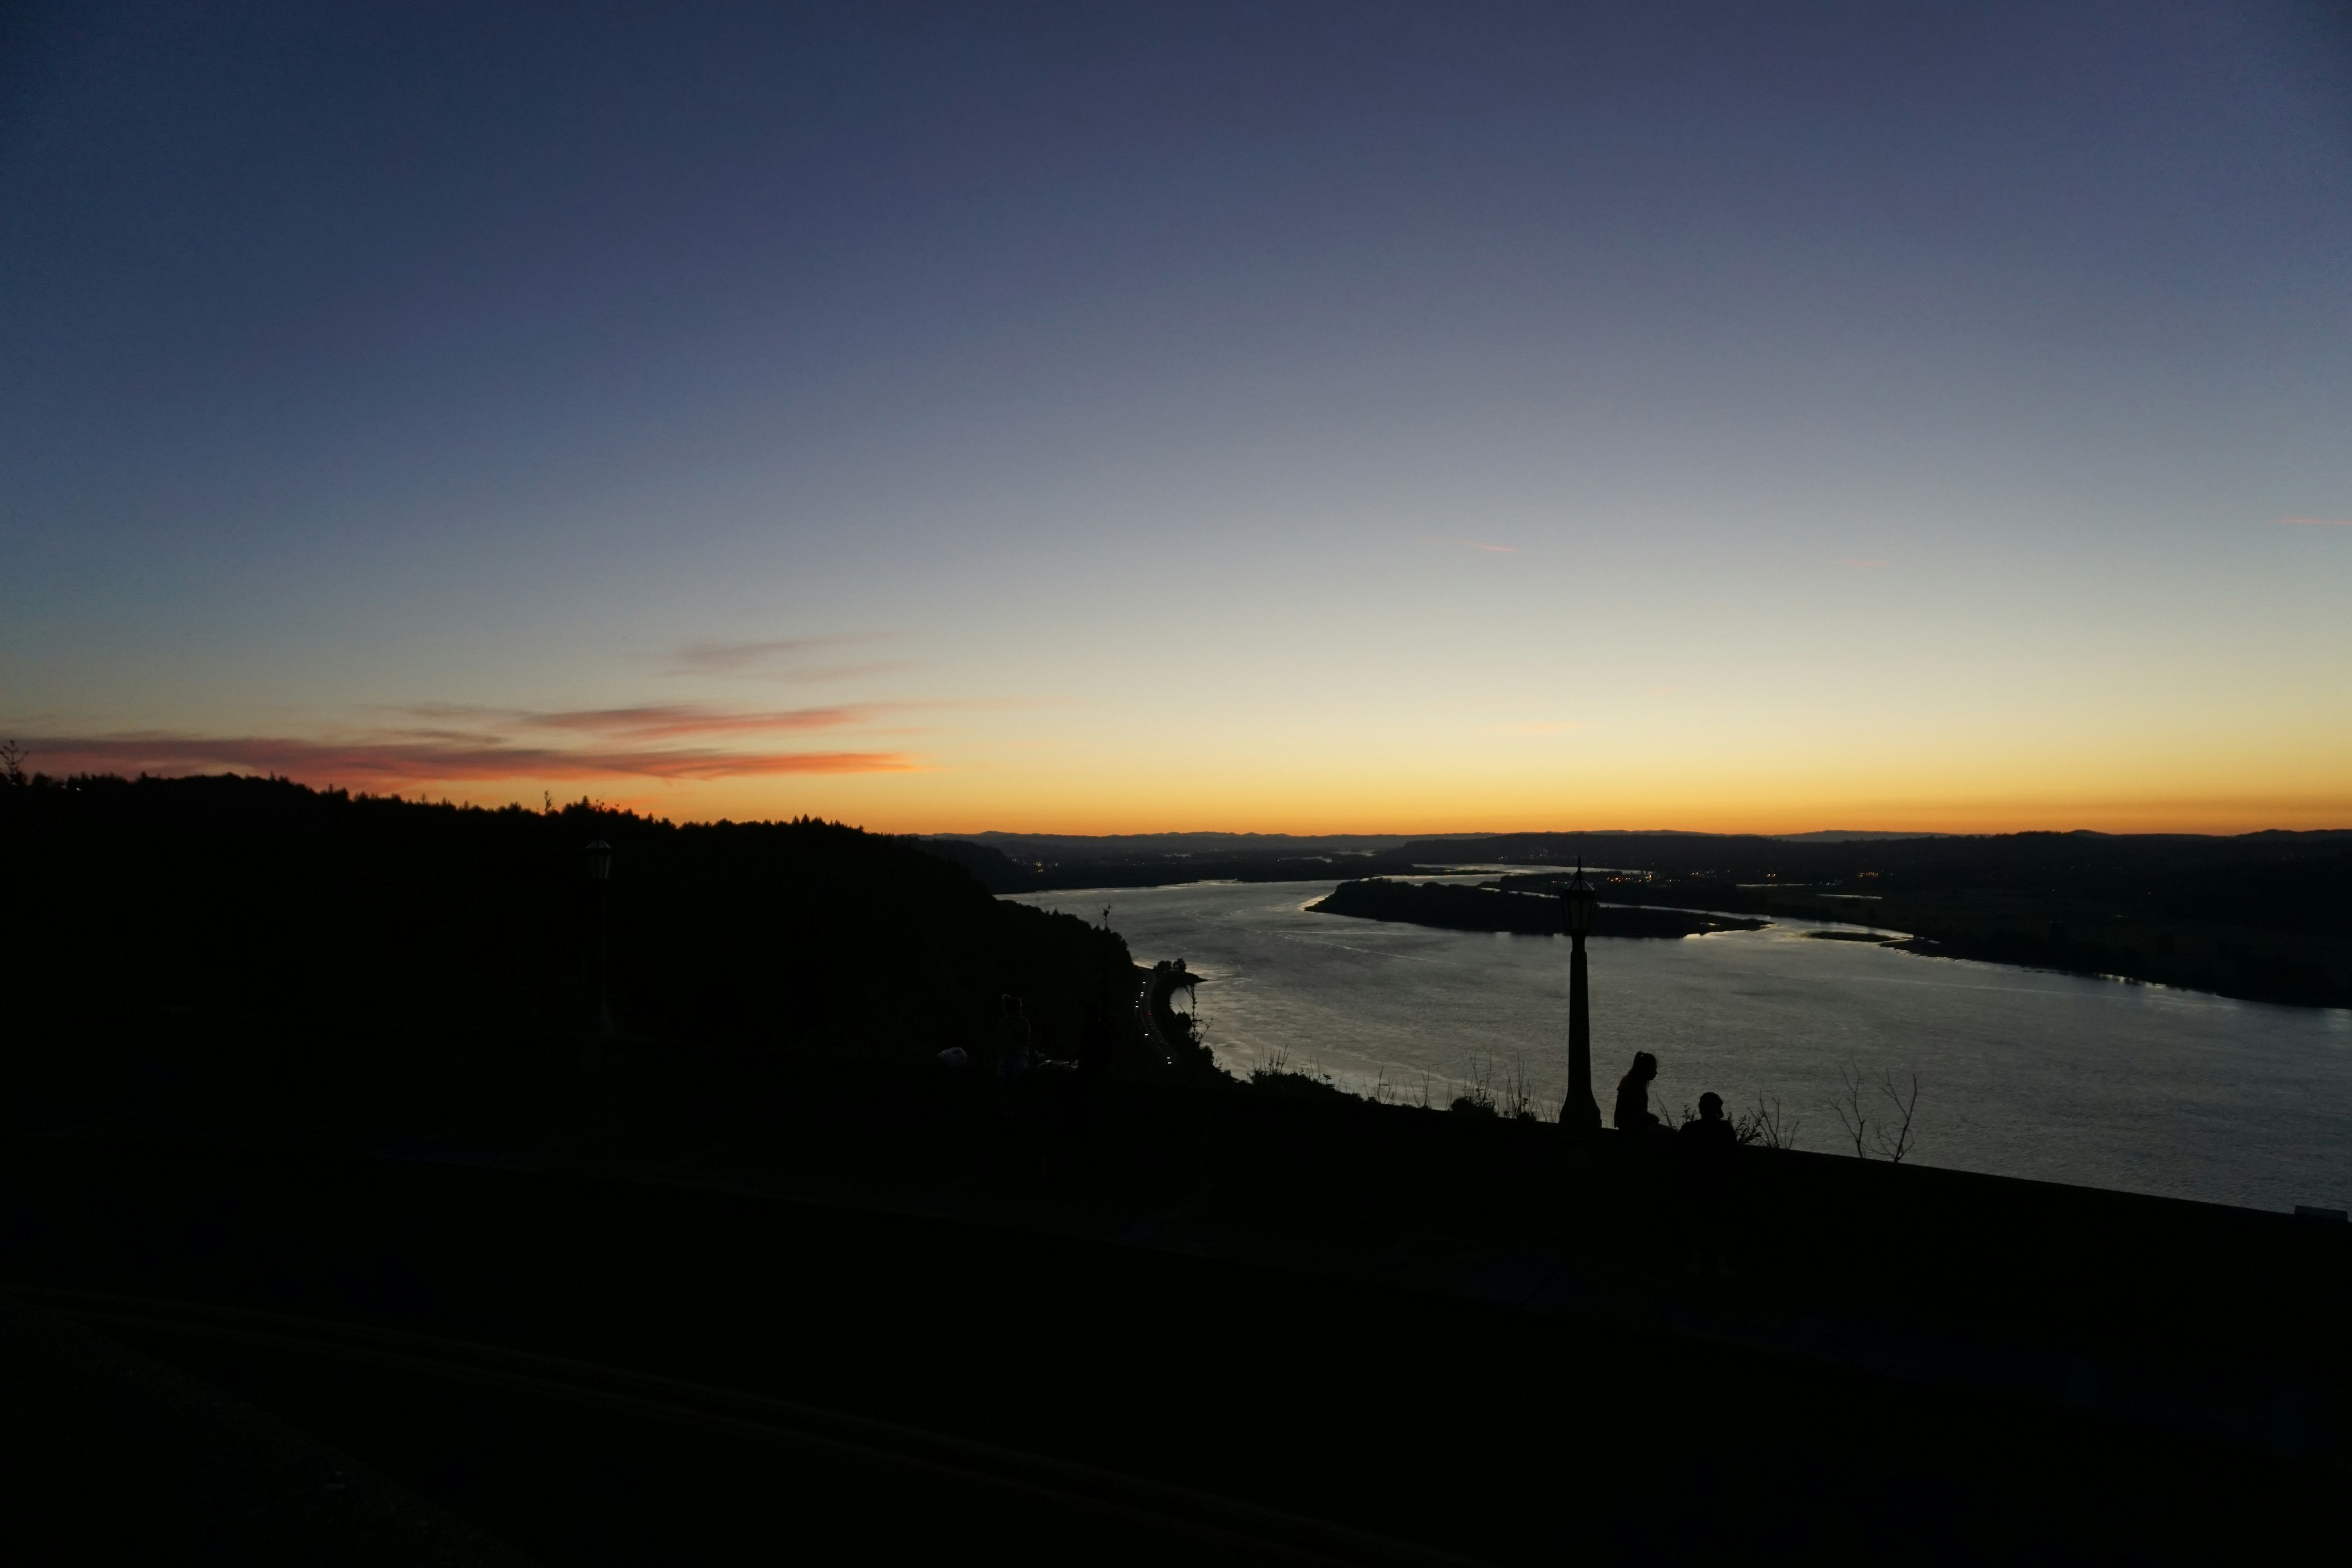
point(1579, 1113)
point(600, 872)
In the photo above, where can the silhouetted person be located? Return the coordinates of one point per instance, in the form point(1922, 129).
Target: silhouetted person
point(1706, 1147)
point(1634, 1097)
point(1710, 1137)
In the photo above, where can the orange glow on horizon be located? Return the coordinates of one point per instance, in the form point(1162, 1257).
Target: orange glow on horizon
point(2221, 816)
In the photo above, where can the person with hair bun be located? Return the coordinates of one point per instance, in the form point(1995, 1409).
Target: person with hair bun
point(1633, 1113)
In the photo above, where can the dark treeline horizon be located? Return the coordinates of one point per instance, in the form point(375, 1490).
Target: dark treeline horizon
point(226, 894)
point(230, 893)
point(2034, 857)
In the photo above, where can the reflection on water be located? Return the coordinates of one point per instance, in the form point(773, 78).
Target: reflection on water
point(2023, 1073)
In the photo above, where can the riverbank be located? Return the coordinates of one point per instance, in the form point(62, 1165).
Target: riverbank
point(2024, 1073)
point(2295, 953)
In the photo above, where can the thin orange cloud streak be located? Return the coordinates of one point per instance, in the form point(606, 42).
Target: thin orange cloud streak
point(676, 720)
point(651, 722)
point(406, 762)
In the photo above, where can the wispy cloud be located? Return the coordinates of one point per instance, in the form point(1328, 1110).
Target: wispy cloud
point(654, 722)
point(401, 762)
point(2315, 522)
point(787, 659)
point(450, 742)
point(725, 658)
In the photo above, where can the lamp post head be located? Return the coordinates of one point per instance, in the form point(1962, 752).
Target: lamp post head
point(600, 861)
point(1579, 900)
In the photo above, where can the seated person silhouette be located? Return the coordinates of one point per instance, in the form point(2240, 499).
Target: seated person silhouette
point(1633, 1113)
point(1705, 1147)
point(1710, 1134)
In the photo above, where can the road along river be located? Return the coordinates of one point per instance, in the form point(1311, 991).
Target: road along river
point(2023, 1073)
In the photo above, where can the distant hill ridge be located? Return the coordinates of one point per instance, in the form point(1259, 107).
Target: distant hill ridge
point(1110, 845)
point(1011, 862)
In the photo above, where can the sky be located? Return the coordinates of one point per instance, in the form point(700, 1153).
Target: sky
point(1277, 418)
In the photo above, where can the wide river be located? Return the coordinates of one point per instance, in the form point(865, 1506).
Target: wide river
point(2021, 1073)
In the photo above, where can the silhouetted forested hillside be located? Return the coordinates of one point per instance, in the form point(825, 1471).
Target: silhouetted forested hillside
point(243, 895)
point(2262, 915)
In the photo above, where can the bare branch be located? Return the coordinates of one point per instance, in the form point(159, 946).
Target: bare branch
point(1517, 1101)
point(1770, 1125)
point(1899, 1142)
point(1848, 1108)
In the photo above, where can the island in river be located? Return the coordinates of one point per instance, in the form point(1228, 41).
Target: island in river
point(1451, 906)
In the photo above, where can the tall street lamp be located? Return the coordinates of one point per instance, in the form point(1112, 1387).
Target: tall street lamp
point(600, 872)
point(1579, 1113)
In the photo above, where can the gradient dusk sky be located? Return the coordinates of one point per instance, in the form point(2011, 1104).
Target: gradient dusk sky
point(1305, 417)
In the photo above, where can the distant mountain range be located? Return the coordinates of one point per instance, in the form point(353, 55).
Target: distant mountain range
point(1028, 862)
point(1850, 836)
point(1164, 845)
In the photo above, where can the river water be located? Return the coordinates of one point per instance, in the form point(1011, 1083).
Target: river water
point(2102, 1083)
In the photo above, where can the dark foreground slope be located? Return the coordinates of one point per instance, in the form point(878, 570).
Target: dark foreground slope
point(261, 898)
point(300, 1098)
point(692, 1305)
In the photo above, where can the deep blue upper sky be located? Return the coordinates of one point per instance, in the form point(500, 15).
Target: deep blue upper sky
point(375, 375)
